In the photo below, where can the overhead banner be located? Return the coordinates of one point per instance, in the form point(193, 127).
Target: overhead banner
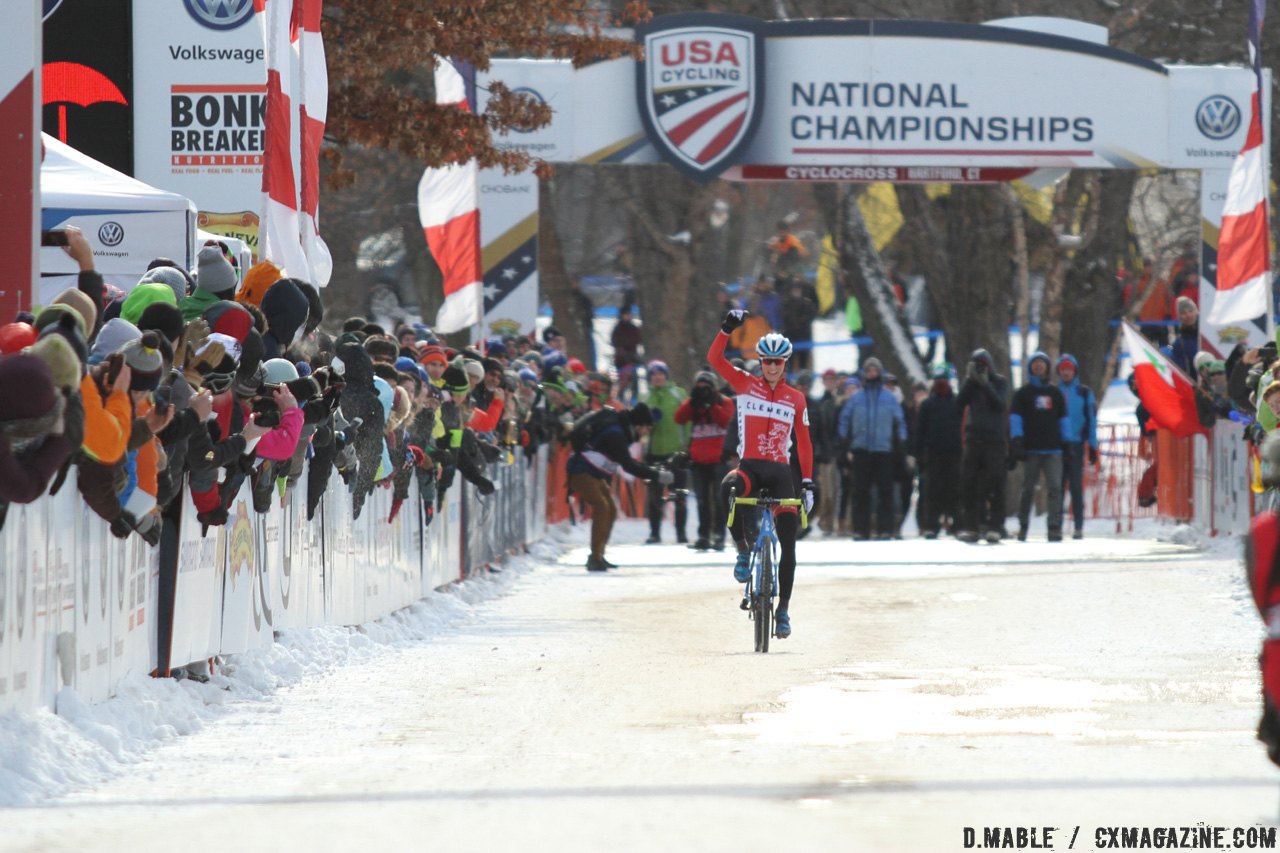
point(200, 108)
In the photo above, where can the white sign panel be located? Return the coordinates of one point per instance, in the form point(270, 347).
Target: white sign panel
point(200, 107)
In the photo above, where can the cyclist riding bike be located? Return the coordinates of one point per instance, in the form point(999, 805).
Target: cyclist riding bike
point(769, 412)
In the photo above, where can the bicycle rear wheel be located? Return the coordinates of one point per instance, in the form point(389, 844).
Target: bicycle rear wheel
point(764, 601)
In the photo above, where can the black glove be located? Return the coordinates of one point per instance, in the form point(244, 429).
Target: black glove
point(121, 528)
point(732, 320)
point(1093, 455)
point(485, 487)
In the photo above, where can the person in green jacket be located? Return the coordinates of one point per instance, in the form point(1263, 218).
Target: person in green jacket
point(666, 439)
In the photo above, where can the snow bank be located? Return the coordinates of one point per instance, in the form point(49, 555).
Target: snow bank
point(46, 755)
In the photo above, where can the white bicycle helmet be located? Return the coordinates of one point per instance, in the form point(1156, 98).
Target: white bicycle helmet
point(773, 345)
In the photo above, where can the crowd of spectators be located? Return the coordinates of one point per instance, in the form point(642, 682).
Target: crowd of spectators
point(196, 382)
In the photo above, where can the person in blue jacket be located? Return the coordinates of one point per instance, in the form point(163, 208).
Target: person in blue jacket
point(1038, 428)
point(1082, 416)
point(867, 426)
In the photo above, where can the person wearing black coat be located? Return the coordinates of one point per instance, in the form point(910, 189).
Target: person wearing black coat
point(286, 309)
point(360, 400)
point(938, 447)
point(984, 405)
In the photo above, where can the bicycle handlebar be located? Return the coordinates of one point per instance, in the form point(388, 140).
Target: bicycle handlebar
point(769, 502)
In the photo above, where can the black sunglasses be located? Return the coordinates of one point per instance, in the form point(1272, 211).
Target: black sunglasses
point(773, 361)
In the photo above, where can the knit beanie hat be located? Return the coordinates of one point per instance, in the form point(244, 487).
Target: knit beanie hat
point(873, 362)
point(230, 319)
point(114, 335)
point(214, 273)
point(79, 302)
point(658, 366)
point(163, 318)
point(26, 388)
point(14, 337)
point(256, 281)
point(473, 369)
point(51, 314)
point(1183, 302)
point(705, 376)
point(64, 364)
point(143, 358)
point(172, 277)
point(491, 365)
point(143, 295)
point(641, 415)
point(67, 327)
point(455, 379)
point(1202, 360)
point(432, 353)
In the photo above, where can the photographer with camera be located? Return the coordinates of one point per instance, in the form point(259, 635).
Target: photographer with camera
point(708, 412)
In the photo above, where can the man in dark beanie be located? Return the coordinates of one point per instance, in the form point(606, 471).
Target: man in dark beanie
point(601, 444)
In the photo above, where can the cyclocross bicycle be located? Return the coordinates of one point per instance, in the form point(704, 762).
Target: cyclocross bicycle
point(758, 597)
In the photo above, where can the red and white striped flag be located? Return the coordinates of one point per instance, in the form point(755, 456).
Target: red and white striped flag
point(1243, 285)
point(312, 112)
point(449, 209)
point(296, 75)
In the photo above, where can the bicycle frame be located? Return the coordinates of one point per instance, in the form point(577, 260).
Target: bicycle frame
point(760, 589)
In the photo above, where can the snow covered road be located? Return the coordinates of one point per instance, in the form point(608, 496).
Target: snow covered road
point(928, 687)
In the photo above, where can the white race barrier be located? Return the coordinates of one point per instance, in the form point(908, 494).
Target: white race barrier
point(79, 607)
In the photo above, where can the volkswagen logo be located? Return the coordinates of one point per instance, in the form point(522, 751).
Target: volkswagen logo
point(110, 234)
point(1218, 117)
point(220, 14)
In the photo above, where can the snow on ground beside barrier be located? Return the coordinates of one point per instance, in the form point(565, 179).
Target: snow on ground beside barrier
point(46, 755)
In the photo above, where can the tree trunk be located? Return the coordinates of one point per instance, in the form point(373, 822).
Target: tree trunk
point(1067, 199)
point(558, 289)
point(864, 270)
point(1092, 295)
point(959, 244)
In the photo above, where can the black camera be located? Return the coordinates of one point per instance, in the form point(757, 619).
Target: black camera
point(265, 409)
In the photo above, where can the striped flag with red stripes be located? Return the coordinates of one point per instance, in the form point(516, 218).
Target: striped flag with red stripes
point(1243, 285)
point(297, 85)
point(449, 209)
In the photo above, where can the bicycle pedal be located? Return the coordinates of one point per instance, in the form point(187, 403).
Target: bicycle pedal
point(745, 605)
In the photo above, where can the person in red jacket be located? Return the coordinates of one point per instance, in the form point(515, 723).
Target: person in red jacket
point(709, 412)
point(770, 412)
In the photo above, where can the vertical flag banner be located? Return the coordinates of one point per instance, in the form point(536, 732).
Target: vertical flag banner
point(312, 112)
point(449, 209)
point(1244, 267)
point(1165, 391)
point(19, 154)
point(279, 233)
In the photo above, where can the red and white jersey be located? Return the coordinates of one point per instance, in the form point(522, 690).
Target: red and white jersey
point(766, 416)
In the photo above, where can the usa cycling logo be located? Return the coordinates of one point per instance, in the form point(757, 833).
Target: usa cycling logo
point(700, 89)
point(110, 234)
point(1218, 117)
point(220, 14)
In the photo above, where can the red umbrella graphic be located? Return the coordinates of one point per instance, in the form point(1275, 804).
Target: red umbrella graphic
point(72, 83)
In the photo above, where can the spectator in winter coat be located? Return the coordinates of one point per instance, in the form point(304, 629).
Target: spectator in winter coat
point(1038, 429)
point(708, 412)
point(286, 308)
point(32, 441)
point(666, 438)
point(1182, 351)
point(868, 425)
point(626, 340)
point(798, 311)
point(1082, 417)
point(938, 448)
point(984, 405)
point(608, 438)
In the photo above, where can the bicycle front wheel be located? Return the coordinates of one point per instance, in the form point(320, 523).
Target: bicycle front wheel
point(764, 601)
